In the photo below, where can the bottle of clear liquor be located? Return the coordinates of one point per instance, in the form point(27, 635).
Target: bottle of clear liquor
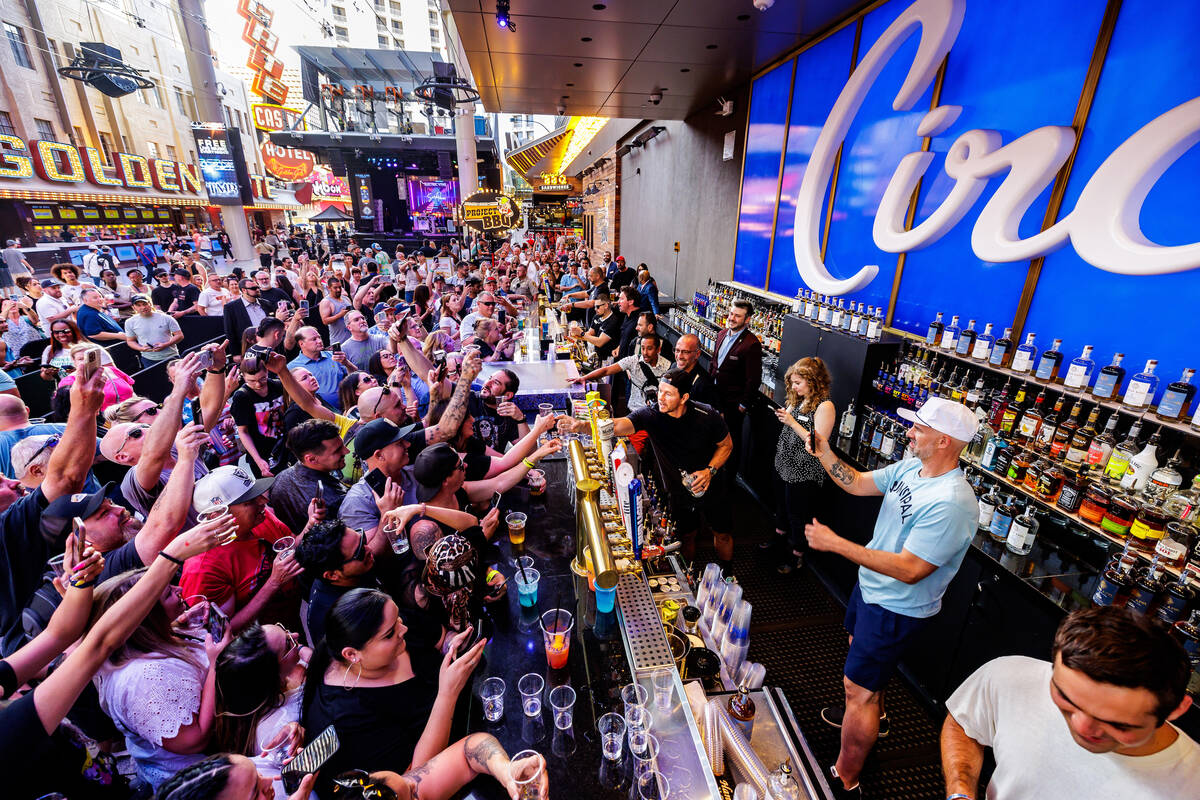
point(987, 507)
point(1184, 505)
point(966, 340)
point(934, 334)
point(1048, 364)
point(835, 317)
point(848, 422)
point(1177, 398)
point(1023, 532)
point(1002, 350)
point(982, 349)
point(875, 326)
point(1022, 361)
point(1164, 481)
point(1142, 386)
point(1079, 373)
point(950, 335)
point(1108, 381)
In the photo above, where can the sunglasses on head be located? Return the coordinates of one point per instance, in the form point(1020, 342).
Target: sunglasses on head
point(151, 411)
point(135, 433)
point(49, 444)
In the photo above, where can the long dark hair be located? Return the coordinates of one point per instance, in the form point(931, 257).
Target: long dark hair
point(248, 688)
point(352, 621)
point(421, 298)
point(348, 389)
point(154, 638)
point(203, 780)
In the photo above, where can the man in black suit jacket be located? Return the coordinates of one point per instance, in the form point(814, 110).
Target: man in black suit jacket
point(736, 369)
point(241, 313)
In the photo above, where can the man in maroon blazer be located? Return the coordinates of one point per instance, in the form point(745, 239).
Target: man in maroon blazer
point(737, 372)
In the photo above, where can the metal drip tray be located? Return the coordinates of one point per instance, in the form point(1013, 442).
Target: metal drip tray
point(645, 638)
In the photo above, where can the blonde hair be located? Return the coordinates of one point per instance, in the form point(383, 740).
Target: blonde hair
point(816, 374)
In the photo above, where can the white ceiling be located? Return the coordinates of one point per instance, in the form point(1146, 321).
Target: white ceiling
point(691, 50)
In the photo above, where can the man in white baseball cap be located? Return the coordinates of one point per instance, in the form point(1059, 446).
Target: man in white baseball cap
point(925, 525)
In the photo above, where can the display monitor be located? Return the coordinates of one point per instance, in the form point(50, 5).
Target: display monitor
point(430, 196)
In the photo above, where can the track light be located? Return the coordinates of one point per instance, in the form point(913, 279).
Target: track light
point(503, 20)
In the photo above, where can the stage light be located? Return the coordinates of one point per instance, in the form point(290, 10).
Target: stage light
point(503, 20)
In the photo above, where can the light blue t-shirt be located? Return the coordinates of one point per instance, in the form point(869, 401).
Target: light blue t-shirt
point(932, 518)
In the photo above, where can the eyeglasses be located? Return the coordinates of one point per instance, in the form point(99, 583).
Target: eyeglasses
point(136, 432)
point(62, 331)
point(151, 411)
point(461, 465)
point(382, 394)
point(292, 639)
point(49, 444)
point(486, 303)
point(360, 552)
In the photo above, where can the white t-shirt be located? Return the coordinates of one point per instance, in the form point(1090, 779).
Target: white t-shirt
point(1006, 705)
point(47, 307)
point(213, 301)
point(637, 377)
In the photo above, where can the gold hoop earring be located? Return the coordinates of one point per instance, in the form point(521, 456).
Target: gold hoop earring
point(358, 676)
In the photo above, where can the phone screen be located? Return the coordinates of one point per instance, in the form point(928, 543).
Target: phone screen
point(377, 481)
point(80, 538)
point(495, 501)
point(335, 347)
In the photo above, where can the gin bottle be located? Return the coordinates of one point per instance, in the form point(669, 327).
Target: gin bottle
point(1079, 373)
point(1022, 360)
point(1108, 382)
point(1141, 389)
point(983, 344)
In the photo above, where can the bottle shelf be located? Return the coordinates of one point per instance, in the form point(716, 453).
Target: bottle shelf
point(1069, 517)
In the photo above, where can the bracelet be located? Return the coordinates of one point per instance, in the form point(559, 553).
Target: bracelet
point(212, 371)
point(528, 463)
point(959, 796)
point(88, 585)
point(172, 558)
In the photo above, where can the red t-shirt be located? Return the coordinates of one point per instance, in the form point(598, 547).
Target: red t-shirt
point(239, 570)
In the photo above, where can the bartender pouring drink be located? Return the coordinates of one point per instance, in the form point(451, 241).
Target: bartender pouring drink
point(925, 525)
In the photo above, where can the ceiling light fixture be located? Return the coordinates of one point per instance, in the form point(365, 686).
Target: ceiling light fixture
point(503, 20)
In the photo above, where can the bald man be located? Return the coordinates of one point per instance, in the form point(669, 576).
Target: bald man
point(328, 368)
point(687, 358)
point(15, 427)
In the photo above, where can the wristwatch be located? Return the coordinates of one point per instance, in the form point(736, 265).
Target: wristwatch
point(711, 469)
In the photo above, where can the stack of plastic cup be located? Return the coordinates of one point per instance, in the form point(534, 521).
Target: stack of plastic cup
point(708, 610)
point(737, 637)
point(708, 583)
point(720, 623)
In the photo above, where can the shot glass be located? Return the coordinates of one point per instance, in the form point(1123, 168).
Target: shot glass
point(612, 735)
point(562, 704)
point(654, 786)
point(491, 691)
point(664, 688)
point(637, 728)
point(527, 587)
point(645, 762)
point(633, 694)
point(530, 686)
point(526, 770)
point(284, 544)
point(56, 564)
point(556, 635)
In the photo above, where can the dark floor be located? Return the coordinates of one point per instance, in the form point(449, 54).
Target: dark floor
point(796, 633)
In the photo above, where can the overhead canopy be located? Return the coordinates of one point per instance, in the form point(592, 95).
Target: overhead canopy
point(331, 214)
point(349, 67)
point(552, 153)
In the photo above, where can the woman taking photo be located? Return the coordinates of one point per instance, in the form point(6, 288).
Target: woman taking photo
point(392, 706)
point(800, 475)
point(117, 385)
point(57, 355)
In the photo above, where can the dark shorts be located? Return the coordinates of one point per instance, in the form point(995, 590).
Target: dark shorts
point(881, 638)
point(713, 508)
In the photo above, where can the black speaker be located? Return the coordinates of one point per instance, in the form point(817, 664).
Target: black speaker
point(108, 63)
point(445, 166)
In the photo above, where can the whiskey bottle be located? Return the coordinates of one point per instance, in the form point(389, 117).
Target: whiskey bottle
point(999, 404)
point(1077, 449)
point(741, 710)
point(1002, 519)
point(1048, 364)
point(966, 340)
point(875, 326)
point(1013, 412)
point(950, 335)
point(852, 320)
point(1118, 462)
point(1178, 596)
point(1031, 422)
point(1108, 382)
point(1116, 580)
point(1002, 350)
point(1147, 584)
point(1023, 357)
point(1045, 436)
point(934, 334)
point(1022, 532)
point(987, 507)
point(1079, 373)
point(1102, 446)
point(864, 320)
point(1004, 455)
point(973, 397)
point(1062, 436)
point(1142, 386)
point(982, 348)
point(1177, 398)
point(835, 317)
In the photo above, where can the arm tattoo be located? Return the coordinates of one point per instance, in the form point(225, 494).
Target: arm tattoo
point(479, 750)
point(454, 414)
point(415, 776)
point(842, 473)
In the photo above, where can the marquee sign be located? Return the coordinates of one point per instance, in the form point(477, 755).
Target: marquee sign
point(1103, 227)
point(287, 163)
point(268, 70)
point(59, 162)
point(486, 211)
point(268, 117)
point(549, 182)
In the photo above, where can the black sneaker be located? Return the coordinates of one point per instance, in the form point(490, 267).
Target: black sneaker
point(832, 715)
point(790, 564)
point(838, 789)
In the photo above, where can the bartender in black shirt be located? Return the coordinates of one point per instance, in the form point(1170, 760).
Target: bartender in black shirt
point(689, 438)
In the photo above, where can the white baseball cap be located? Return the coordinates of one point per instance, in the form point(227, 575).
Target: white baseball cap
point(944, 416)
point(227, 486)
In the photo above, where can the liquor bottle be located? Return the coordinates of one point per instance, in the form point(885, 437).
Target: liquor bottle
point(1147, 584)
point(848, 422)
point(979, 442)
point(782, 785)
point(810, 310)
point(1137, 474)
point(973, 396)
point(987, 507)
point(1164, 481)
point(1022, 532)
point(1002, 519)
point(835, 316)
point(1184, 505)
point(1116, 580)
point(1177, 398)
point(982, 349)
point(934, 334)
point(887, 444)
point(1018, 467)
point(1178, 596)
point(1062, 436)
point(864, 320)
point(1023, 356)
point(1102, 446)
point(1033, 476)
point(1048, 364)
point(1050, 424)
point(1031, 422)
point(875, 326)
point(1141, 389)
point(1108, 382)
point(999, 404)
point(741, 710)
point(1013, 411)
point(993, 454)
point(1077, 449)
point(966, 340)
point(1187, 633)
point(1079, 373)
point(950, 335)
point(1118, 462)
point(851, 321)
point(1002, 350)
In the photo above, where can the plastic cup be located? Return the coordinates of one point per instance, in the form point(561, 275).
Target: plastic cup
point(516, 527)
point(637, 728)
point(278, 754)
point(605, 599)
point(531, 686)
point(556, 634)
point(213, 512)
point(527, 586)
point(56, 564)
point(284, 544)
point(398, 536)
point(537, 482)
point(526, 770)
point(664, 688)
point(612, 735)
point(633, 694)
point(525, 562)
point(653, 786)
point(562, 704)
point(491, 691)
point(645, 761)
